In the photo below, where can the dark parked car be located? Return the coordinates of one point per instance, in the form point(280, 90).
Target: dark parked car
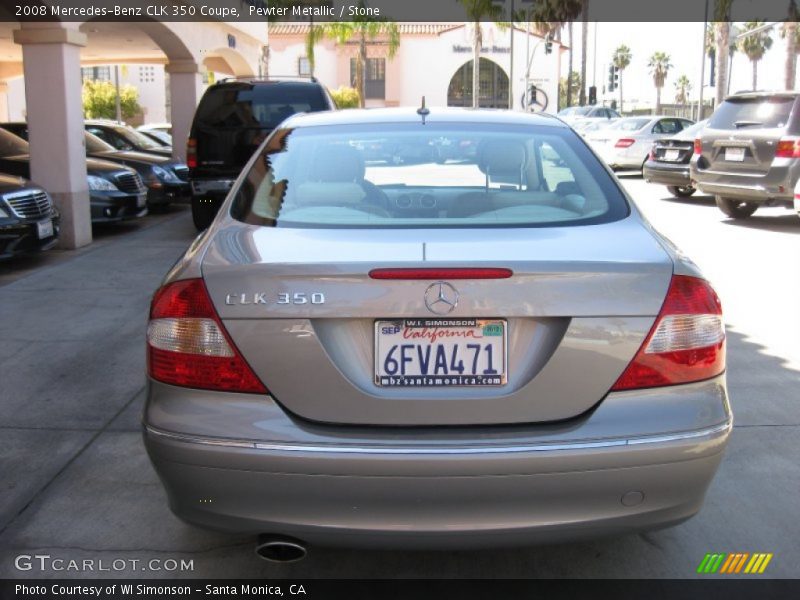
point(166, 179)
point(231, 121)
point(28, 220)
point(749, 154)
point(116, 192)
point(668, 162)
point(123, 137)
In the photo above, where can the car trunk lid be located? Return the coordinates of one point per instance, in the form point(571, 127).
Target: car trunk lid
point(581, 301)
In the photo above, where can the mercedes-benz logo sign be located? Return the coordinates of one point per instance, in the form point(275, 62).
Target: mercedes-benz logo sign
point(441, 298)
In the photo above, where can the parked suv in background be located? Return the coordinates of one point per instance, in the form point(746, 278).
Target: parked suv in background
point(748, 155)
point(233, 118)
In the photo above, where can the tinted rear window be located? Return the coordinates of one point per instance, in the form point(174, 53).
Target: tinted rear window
point(411, 175)
point(738, 113)
point(261, 106)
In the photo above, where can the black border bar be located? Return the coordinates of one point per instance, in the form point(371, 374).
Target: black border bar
point(303, 11)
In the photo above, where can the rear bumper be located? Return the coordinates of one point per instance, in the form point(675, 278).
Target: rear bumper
point(666, 174)
point(631, 157)
point(455, 488)
point(168, 193)
point(775, 185)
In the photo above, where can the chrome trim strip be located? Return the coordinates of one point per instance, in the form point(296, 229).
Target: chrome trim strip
point(566, 446)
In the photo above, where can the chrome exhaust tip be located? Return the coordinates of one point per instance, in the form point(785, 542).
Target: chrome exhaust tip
point(280, 549)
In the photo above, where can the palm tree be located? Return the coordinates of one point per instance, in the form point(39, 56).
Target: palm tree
point(362, 29)
point(621, 59)
point(682, 88)
point(555, 14)
point(722, 30)
point(755, 46)
point(477, 11)
point(659, 67)
point(790, 31)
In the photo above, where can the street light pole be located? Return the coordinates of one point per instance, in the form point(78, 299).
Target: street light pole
point(511, 67)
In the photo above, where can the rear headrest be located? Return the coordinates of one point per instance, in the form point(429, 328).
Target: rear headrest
point(338, 162)
point(501, 157)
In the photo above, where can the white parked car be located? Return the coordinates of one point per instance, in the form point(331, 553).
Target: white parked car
point(625, 144)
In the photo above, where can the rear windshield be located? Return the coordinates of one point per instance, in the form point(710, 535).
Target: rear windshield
point(575, 110)
point(261, 106)
point(630, 124)
point(11, 145)
point(414, 175)
point(764, 112)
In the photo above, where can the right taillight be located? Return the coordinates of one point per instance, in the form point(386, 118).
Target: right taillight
point(698, 146)
point(187, 345)
point(788, 148)
point(686, 343)
point(191, 153)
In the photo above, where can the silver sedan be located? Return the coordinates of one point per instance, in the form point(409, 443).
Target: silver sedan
point(626, 143)
point(433, 354)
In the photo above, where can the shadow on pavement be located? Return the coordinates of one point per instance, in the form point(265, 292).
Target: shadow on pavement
point(787, 223)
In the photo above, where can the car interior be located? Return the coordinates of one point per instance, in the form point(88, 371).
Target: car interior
point(527, 179)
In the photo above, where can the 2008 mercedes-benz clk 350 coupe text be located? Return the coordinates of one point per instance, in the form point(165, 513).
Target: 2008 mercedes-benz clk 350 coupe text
point(490, 350)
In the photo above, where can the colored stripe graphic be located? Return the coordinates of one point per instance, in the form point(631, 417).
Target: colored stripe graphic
point(728, 564)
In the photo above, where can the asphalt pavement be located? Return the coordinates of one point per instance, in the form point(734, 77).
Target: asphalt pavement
point(77, 485)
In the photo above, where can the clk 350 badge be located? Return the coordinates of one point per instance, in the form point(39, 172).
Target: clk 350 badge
point(280, 298)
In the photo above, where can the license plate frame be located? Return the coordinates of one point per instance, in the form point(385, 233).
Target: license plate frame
point(44, 229)
point(734, 154)
point(428, 333)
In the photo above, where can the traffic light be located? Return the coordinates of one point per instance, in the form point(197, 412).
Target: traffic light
point(592, 94)
point(616, 77)
point(548, 44)
point(611, 77)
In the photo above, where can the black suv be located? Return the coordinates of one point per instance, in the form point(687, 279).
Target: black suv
point(232, 119)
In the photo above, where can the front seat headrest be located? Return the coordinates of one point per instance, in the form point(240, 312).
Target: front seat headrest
point(338, 163)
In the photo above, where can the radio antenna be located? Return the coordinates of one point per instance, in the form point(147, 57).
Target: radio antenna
point(423, 111)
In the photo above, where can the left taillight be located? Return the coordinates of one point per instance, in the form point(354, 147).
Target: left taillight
point(625, 143)
point(686, 343)
point(191, 153)
point(187, 345)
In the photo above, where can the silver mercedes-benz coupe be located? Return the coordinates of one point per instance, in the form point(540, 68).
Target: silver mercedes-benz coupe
point(378, 345)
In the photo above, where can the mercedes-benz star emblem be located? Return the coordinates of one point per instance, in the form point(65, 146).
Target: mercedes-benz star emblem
point(441, 298)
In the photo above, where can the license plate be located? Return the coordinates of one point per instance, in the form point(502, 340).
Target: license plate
point(735, 154)
point(440, 352)
point(671, 155)
point(212, 185)
point(141, 201)
point(44, 229)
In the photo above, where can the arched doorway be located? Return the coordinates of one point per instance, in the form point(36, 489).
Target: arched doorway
point(492, 90)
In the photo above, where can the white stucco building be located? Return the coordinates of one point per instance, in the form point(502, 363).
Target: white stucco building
point(433, 60)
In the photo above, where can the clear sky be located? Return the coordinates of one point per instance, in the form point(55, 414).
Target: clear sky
point(683, 42)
